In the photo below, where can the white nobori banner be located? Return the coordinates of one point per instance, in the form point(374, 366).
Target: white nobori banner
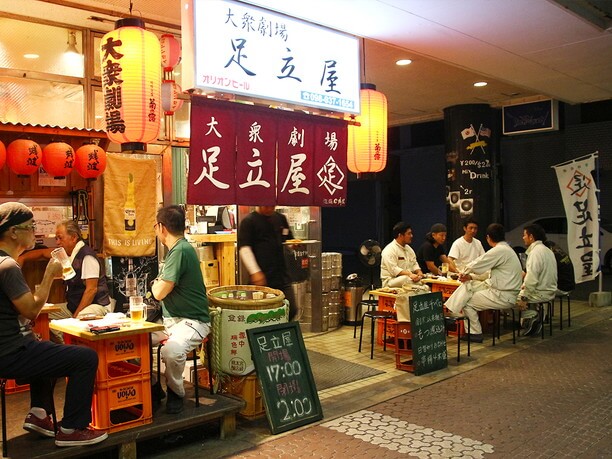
point(579, 192)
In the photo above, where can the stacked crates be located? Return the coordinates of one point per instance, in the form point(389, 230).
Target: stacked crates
point(122, 395)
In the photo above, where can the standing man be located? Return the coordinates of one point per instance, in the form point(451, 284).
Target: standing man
point(432, 252)
point(180, 288)
point(260, 243)
point(399, 263)
point(540, 281)
point(499, 291)
point(466, 248)
point(39, 363)
point(87, 292)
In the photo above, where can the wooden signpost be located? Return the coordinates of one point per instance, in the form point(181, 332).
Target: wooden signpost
point(283, 368)
point(428, 333)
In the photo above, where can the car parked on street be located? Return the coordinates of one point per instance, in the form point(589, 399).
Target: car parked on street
point(556, 231)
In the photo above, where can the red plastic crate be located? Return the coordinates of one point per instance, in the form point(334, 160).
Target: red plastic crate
point(12, 387)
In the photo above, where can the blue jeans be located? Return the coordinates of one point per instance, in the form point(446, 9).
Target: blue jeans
point(39, 363)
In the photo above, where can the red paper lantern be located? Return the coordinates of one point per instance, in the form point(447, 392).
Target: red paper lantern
point(2, 155)
point(170, 97)
point(23, 156)
point(58, 159)
point(90, 161)
point(170, 52)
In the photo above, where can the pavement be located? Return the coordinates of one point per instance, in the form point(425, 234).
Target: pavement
point(536, 398)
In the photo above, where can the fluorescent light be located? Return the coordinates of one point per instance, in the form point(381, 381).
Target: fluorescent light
point(31, 56)
point(480, 84)
point(404, 62)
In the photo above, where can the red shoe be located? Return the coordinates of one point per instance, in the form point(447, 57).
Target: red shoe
point(80, 437)
point(42, 427)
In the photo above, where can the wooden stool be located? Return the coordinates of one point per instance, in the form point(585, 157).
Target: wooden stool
point(194, 355)
point(3, 401)
point(373, 315)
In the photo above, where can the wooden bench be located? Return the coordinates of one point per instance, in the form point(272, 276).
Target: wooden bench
point(213, 407)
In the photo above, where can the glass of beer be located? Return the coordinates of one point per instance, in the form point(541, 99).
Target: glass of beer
point(67, 270)
point(137, 309)
point(444, 269)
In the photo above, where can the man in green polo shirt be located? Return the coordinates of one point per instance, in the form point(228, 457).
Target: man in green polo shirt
point(180, 288)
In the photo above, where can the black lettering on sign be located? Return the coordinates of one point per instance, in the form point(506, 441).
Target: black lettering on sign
point(428, 333)
point(283, 369)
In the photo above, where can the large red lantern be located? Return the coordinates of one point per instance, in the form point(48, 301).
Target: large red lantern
point(170, 97)
point(2, 155)
point(23, 156)
point(131, 84)
point(58, 159)
point(90, 161)
point(170, 52)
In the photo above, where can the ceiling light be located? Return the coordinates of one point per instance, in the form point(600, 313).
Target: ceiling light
point(404, 62)
point(480, 84)
point(31, 56)
point(72, 43)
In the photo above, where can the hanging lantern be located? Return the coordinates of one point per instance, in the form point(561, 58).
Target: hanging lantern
point(367, 144)
point(131, 84)
point(23, 157)
point(90, 161)
point(58, 159)
point(170, 97)
point(170, 52)
point(2, 155)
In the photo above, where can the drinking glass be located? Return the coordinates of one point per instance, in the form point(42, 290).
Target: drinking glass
point(67, 270)
point(137, 309)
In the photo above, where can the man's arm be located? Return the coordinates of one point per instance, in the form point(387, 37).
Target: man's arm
point(256, 275)
point(161, 288)
point(91, 287)
point(28, 304)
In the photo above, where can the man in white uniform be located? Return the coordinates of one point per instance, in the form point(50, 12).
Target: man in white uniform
point(540, 282)
point(399, 263)
point(499, 291)
point(466, 248)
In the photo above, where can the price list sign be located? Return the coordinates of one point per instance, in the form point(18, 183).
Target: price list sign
point(428, 333)
point(282, 365)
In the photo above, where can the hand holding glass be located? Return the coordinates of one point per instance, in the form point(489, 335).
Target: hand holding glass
point(60, 255)
point(137, 309)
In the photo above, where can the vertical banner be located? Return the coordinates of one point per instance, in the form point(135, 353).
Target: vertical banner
point(471, 149)
point(256, 158)
point(212, 158)
point(330, 140)
point(129, 206)
point(578, 190)
point(295, 162)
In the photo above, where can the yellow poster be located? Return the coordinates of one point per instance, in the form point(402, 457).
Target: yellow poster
point(129, 206)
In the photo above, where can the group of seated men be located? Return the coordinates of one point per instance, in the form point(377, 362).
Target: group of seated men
point(493, 279)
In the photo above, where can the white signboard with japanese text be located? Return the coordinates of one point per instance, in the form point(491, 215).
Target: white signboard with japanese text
point(241, 49)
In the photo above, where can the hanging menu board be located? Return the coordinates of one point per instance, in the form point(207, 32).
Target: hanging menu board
point(428, 333)
point(282, 365)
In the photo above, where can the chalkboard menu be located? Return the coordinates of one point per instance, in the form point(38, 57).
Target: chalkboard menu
point(282, 365)
point(428, 333)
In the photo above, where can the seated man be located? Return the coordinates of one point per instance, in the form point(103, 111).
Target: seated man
point(466, 248)
point(39, 363)
point(87, 292)
point(540, 281)
point(398, 263)
point(180, 287)
point(499, 291)
point(432, 252)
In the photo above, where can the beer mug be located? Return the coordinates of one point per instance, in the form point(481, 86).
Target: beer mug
point(444, 269)
point(137, 309)
point(67, 270)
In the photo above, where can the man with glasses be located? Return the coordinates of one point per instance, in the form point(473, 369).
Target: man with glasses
point(180, 288)
point(40, 363)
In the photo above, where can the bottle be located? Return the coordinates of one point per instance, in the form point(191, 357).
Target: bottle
point(129, 208)
point(131, 281)
point(82, 219)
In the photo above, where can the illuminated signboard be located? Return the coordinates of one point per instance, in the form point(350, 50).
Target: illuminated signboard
point(241, 49)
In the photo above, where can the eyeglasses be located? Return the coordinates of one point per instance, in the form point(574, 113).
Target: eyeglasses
point(28, 227)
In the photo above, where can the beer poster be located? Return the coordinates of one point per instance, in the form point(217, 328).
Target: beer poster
point(129, 206)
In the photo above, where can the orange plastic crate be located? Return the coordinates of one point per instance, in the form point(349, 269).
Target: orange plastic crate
point(121, 405)
point(403, 346)
point(248, 389)
point(12, 387)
